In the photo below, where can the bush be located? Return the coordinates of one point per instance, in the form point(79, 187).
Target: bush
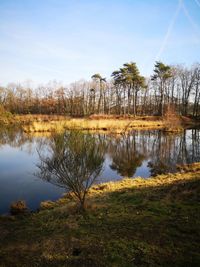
point(172, 119)
point(18, 207)
point(5, 116)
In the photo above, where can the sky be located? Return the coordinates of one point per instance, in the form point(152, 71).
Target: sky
point(68, 40)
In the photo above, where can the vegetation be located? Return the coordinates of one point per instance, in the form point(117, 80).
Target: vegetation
point(172, 121)
point(93, 124)
point(18, 207)
point(162, 73)
point(128, 82)
point(5, 116)
point(126, 93)
point(134, 222)
point(74, 163)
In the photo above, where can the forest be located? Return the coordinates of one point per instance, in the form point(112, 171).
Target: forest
point(125, 93)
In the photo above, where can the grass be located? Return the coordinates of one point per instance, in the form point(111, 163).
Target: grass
point(133, 222)
point(39, 123)
point(110, 123)
point(91, 124)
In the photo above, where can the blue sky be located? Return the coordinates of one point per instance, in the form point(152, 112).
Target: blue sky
point(66, 40)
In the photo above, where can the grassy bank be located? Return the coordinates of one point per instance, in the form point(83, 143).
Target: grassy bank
point(112, 123)
point(87, 124)
point(117, 124)
point(133, 222)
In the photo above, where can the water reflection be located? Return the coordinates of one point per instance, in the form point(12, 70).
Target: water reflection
point(162, 151)
point(126, 157)
point(127, 152)
point(169, 150)
point(14, 137)
point(139, 153)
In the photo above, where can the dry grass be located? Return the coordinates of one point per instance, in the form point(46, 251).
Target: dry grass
point(111, 123)
point(187, 173)
point(27, 118)
point(37, 126)
point(193, 167)
point(94, 124)
point(191, 171)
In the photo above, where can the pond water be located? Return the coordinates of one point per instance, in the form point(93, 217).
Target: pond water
point(139, 153)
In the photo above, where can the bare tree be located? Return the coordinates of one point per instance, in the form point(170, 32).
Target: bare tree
point(74, 162)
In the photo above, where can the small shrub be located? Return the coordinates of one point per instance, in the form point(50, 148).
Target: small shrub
point(172, 120)
point(47, 205)
point(18, 207)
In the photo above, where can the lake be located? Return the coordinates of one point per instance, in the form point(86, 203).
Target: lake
point(139, 153)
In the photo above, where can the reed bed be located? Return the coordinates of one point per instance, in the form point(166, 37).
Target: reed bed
point(87, 124)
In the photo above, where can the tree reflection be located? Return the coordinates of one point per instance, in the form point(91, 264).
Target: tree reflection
point(125, 155)
point(74, 162)
point(169, 150)
point(163, 151)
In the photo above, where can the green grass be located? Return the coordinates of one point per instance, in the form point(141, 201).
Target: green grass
point(153, 222)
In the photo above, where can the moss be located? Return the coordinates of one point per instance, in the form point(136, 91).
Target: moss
point(153, 222)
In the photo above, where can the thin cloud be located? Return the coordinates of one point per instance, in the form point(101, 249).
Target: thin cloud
point(197, 2)
point(190, 19)
point(166, 37)
point(169, 30)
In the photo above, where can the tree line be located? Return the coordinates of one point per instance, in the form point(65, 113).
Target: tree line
point(127, 92)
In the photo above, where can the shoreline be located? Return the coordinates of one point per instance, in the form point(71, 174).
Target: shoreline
point(131, 221)
point(116, 124)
